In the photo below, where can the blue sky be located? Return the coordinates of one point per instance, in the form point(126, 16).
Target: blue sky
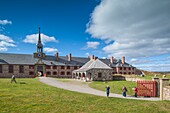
point(138, 30)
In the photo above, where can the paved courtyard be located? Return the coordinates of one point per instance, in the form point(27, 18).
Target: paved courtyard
point(78, 86)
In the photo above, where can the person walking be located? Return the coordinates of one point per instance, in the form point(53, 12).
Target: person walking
point(136, 91)
point(124, 90)
point(13, 79)
point(107, 90)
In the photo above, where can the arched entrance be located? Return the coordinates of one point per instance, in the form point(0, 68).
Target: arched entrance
point(40, 70)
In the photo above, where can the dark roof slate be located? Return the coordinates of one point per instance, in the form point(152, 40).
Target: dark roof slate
point(9, 58)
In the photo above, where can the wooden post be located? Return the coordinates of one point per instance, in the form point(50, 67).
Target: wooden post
point(157, 86)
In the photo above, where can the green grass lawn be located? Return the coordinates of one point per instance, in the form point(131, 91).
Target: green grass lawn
point(115, 86)
point(31, 96)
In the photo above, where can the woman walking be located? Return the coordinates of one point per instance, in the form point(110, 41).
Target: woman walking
point(124, 90)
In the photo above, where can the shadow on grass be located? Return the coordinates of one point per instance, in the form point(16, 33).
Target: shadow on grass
point(22, 83)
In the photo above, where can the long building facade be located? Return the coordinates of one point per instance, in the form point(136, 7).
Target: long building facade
point(40, 64)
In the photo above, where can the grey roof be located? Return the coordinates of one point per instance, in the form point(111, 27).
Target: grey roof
point(93, 64)
point(9, 58)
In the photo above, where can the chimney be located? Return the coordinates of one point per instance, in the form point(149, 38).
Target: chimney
point(95, 58)
point(56, 56)
point(69, 57)
point(112, 60)
point(123, 60)
point(92, 57)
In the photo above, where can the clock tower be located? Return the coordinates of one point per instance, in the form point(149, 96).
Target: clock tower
point(39, 54)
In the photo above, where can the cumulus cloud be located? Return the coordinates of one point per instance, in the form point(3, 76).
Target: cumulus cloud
point(34, 38)
point(136, 28)
point(4, 22)
point(5, 42)
point(50, 50)
point(87, 54)
point(92, 45)
point(3, 49)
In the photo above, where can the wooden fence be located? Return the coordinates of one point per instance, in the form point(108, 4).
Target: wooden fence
point(146, 88)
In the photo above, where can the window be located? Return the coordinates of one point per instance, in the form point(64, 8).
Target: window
point(129, 68)
point(120, 68)
point(21, 69)
point(129, 73)
point(31, 73)
point(0, 68)
point(124, 68)
point(48, 73)
point(48, 67)
point(62, 67)
point(31, 66)
point(75, 67)
point(11, 69)
point(54, 73)
point(68, 67)
point(125, 73)
point(62, 73)
point(54, 67)
point(68, 73)
point(99, 75)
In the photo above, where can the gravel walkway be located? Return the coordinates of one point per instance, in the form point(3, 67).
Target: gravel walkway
point(84, 88)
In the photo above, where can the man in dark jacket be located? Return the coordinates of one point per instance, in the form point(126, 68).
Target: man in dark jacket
point(107, 90)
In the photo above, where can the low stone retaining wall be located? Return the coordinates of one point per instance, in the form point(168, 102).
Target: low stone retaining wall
point(166, 93)
point(126, 78)
point(133, 79)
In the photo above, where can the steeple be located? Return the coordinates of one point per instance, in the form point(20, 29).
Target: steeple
point(39, 44)
point(39, 35)
point(39, 54)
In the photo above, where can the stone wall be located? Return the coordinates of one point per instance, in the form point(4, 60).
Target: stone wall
point(126, 78)
point(5, 73)
point(59, 70)
point(166, 93)
point(106, 74)
point(164, 83)
point(133, 79)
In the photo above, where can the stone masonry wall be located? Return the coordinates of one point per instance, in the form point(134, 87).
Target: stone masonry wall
point(106, 74)
point(5, 73)
point(166, 93)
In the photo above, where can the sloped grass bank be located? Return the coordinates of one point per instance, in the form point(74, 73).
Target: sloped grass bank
point(31, 96)
point(115, 86)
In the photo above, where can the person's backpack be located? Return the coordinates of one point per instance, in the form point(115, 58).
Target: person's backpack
point(126, 89)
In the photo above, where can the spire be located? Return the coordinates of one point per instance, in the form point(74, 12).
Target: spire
point(39, 37)
point(39, 44)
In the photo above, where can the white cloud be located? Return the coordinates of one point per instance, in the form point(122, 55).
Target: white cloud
point(5, 38)
point(133, 60)
point(34, 38)
point(4, 22)
point(138, 28)
point(50, 50)
point(6, 42)
point(92, 45)
point(87, 54)
point(3, 49)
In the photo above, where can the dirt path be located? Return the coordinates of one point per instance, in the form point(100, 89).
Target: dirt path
point(77, 86)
